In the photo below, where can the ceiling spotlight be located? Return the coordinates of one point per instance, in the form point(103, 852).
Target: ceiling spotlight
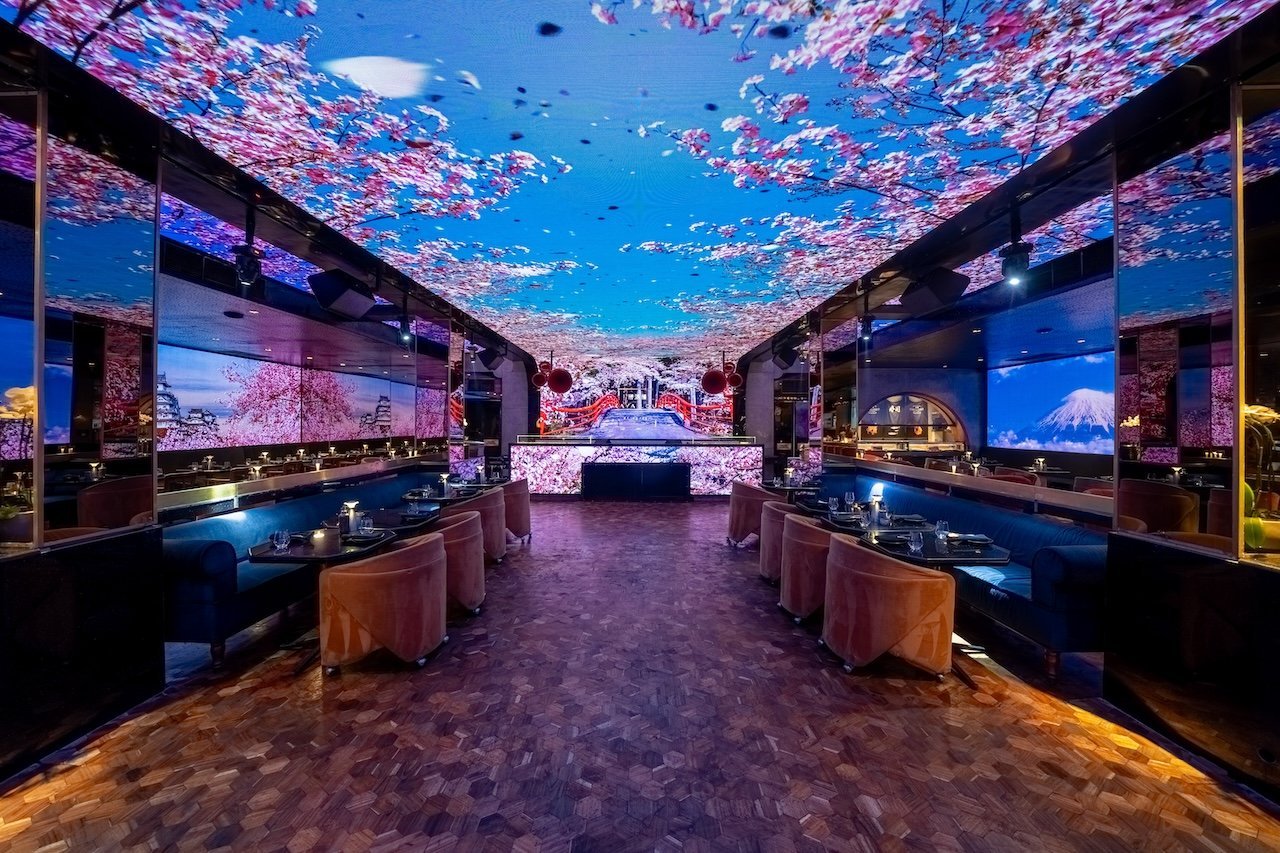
point(1015, 258)
point(248, 256)
point(248, 264)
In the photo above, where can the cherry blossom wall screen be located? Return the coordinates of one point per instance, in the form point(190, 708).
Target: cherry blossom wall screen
point(653, 179)
point(1065, 405)
point(207, 400)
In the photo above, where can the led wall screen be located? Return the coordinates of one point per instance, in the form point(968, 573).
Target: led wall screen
point(652, 180)
point(206, 400)
point(1065, 405)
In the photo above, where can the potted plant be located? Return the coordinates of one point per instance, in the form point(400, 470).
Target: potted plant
point(16, 523)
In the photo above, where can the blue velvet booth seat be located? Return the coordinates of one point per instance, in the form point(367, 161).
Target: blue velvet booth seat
point(1051, 592)
point(212, 590)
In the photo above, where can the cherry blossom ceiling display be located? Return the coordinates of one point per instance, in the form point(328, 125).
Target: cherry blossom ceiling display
point(632, 180)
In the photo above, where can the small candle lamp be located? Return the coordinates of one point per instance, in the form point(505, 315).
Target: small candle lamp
point(301, 453)
point(95, 469)
point(1040, 463)
point(332, 449)
point(263, 456)
point(256, 470)
point(317, 465)
point(968, 454)
point(953, 467)
point(444, 484)
point(1176, 477)
point(366, 448)
point(208, 462)
point(350, 507)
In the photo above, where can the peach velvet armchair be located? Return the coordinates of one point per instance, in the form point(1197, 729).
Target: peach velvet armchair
point(772, 514)
point(1163, 506)
point(804, 566)
point(515, 496)
point(877, 605)
point(745, 501)
point(464, 559)
point(393, 600)
point(492, 507)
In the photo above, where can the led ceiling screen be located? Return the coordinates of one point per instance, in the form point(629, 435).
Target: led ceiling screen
point(641, 180)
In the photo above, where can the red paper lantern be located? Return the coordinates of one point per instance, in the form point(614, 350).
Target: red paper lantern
point(714, 381)
point(730, 368)
point(735, 380)
point(544, 367)
point(560, 380)
point(539, 379)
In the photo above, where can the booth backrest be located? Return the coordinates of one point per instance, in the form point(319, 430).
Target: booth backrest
point(1021, 533)
point(253, 526)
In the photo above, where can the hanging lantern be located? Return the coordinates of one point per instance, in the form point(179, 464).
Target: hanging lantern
point(730, 368)
point(734, 380)
point(539, 379)
point(544, 367)
point(714, 381)
point(559, 380)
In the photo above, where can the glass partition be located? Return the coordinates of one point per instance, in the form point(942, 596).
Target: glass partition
point(1260, 391)
point(18, 169)
point(99, 244)
point(1175, 292)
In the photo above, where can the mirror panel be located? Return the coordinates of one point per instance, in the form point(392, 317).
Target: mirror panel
point(18, 168)
point(99, 247)
point(1175, 293)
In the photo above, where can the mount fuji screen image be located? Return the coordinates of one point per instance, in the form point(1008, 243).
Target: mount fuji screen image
point(1066, 405)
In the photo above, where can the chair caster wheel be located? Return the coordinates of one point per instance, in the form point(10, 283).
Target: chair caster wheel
point(847, 667)
point(332, 671)
point(420, 662)
point(475, 611)
point(797, 619)
point(780, 607)
point(822, 642)
point(444, 640)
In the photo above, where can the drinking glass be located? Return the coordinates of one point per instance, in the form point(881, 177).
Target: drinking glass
point(280, 539)
point(849, 500)
point(915, 542)
point(833, 504)
point(941, 528)
point(777, 481)
point(364, 524)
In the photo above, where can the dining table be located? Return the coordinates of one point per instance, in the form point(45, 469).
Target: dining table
point(402, 521)
point(455, 493)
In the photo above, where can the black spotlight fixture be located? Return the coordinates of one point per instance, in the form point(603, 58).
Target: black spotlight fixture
point(866, 323)
point(406, 323)
point(1015, 258)
point(248, 256)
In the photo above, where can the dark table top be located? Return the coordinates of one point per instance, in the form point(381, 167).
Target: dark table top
point(399, 520)
point(331, 551)
point(456, 493)
point(955, 553)
point(844, 525)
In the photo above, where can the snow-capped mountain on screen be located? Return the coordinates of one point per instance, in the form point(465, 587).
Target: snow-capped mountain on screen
point(1084, 423)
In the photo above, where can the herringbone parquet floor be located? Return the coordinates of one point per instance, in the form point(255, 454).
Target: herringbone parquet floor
point(629, 686)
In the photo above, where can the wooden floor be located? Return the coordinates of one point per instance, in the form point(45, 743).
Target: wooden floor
point(629, 686)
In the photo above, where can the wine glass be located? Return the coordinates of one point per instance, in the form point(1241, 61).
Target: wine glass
point(941, 528)
point(833, 504)
point(915, 542)
point(364, 525)
point(280, 539)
